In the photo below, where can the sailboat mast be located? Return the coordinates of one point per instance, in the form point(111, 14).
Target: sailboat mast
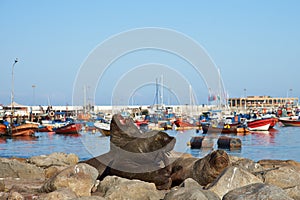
point(162, 90)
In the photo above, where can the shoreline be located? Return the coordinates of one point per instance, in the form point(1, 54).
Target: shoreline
point(40, 177)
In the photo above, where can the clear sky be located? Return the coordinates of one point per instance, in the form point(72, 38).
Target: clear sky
point(254, 43)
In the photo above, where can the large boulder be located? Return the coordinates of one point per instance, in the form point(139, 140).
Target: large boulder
point(232, 178)
point(257, 191)
point(190, 189)
point(80, 178)
point(54, 159)
point(283, 177)
point(60, 194)
point(117, 188)
point(15, 169)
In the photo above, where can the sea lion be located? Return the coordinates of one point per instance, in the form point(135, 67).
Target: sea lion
point(203, 170)
point(136, 155)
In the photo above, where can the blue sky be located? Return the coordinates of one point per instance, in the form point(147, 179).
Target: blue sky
point(254, 43)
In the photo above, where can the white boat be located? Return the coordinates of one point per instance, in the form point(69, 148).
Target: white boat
point(104, 128)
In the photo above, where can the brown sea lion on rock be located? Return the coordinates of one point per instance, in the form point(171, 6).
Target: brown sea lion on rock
point(203, 170)
point(137, 155)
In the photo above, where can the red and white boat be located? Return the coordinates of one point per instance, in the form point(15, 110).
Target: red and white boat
point(260, 124)
point(289, 121)
point(71, 128)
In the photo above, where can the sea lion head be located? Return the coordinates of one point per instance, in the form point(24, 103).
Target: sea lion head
point(219, 159)
point(163, 141)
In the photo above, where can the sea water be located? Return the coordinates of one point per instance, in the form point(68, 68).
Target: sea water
point(279, 143)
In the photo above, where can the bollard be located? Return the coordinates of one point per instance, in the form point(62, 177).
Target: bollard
point(196, 142)
point(225, 142)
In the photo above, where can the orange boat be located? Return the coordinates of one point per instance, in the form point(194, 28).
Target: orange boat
point(24, 129)
point(2, 129)
point(28, 132)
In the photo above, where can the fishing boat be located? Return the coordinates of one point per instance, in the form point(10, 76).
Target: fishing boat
point(23, 129)
point(226, 129)
point(71, 128)
point(259, 124)
point(28, 132)
point(103, 127)
point(2, 129)
point(287, 121)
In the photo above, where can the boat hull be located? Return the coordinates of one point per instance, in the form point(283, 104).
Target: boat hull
point(71, 128)
point(227, 129)
point(104, 128)
point(290, 122)
point(259, 124)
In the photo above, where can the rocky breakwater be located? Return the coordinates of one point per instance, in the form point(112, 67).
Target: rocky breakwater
point(146, 167)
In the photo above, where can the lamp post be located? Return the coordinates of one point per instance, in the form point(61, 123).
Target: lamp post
point(12, 86)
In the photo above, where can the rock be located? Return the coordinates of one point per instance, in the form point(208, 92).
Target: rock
point(3, 196)
point(90, 198)
point(190, 189)
point(15, 196)
point(248, 165)
point(283, 177)
point(204, 170)
point(2, 186)
point(293, 192)
point(114, 187)
point(51, 171)
point(270, 164)
point(231, 178)
point(16, 169)
point(60, 194)
point(79, 178)
point(54, 159)
point(257, 191)
point(101, 163)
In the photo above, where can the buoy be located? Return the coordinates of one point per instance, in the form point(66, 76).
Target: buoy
point(196, 142)
point(225, 142)
point(51, 114)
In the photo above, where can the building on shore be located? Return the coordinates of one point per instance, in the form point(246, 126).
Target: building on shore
point(262, 101)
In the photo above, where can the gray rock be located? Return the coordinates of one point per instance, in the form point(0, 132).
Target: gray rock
point(231, 178)
point(117, 188)
point(79, 178)
point(3, 195)
point(54, 159)
point(257, 191)
point(283, 177)
point(15, 196)
point(293, 192)
point(249, 165)
point(190, 189)
point(90, 198)
point(60, 194)
point(2, 186)
point(16, 169)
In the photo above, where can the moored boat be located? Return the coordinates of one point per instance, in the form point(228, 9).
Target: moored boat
point(71, 128)
point(289, 121)
point(226, 129)
point(28, 132)
point(103, 127)
point(2, 129)
point(23, 130)
point(259, 124)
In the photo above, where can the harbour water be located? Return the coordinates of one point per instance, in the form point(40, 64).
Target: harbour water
point(279, 143)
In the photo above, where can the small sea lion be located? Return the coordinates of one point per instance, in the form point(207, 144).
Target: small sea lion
point(203, 170)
